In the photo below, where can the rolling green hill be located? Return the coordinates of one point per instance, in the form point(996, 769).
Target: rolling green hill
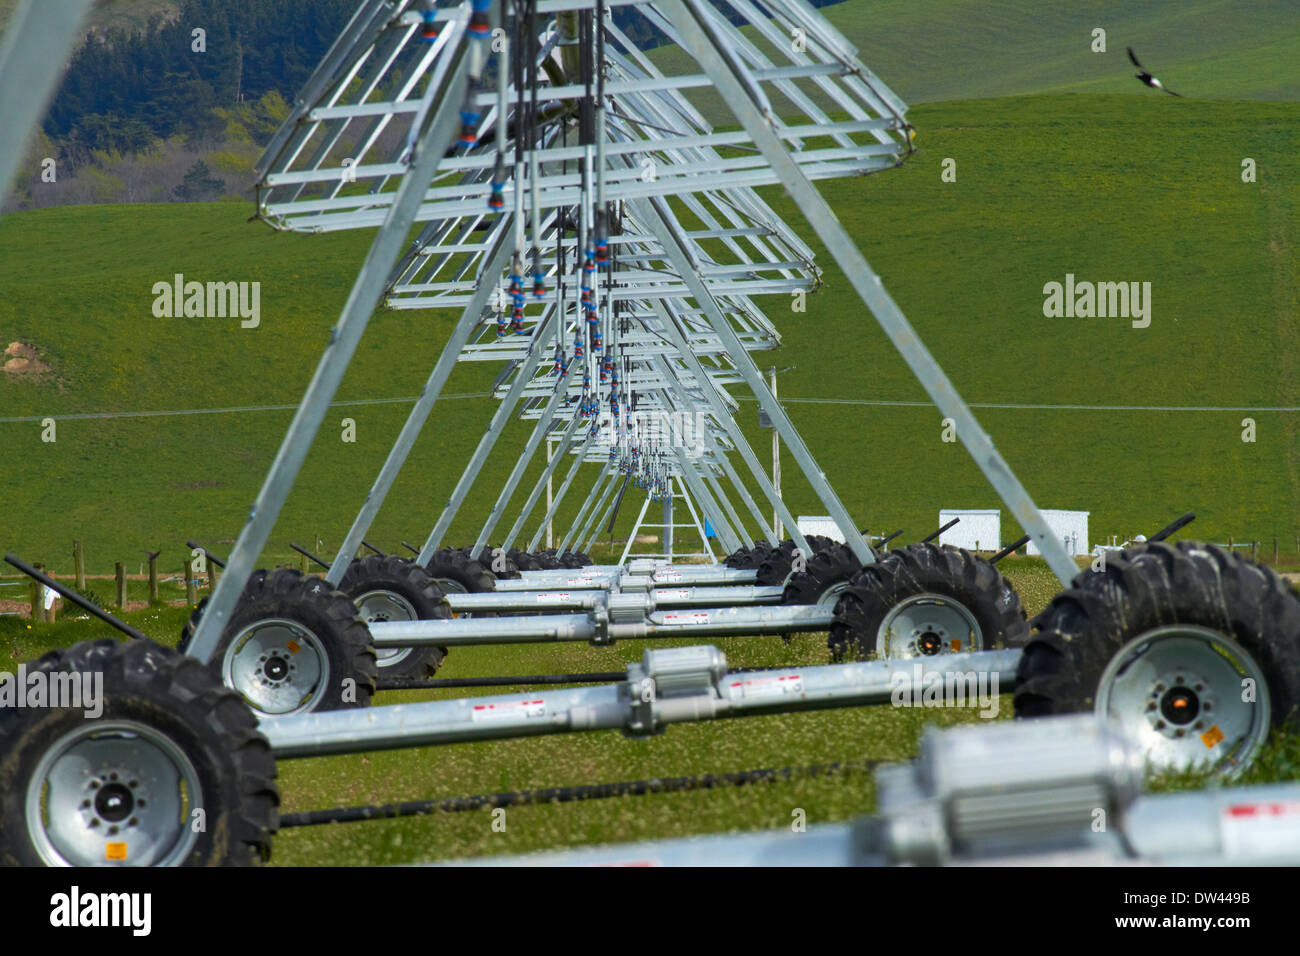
point(127, 15)
point(930, 50)
point(1107, 187)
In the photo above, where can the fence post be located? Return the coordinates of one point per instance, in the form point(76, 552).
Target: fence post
point(153, 579)
point(1230, 544)
point(191, 590)
point(1275, 552)
point(119, 574)
point(38, 607)
point(212, 576)
point(1254, 551)
point(79, 564)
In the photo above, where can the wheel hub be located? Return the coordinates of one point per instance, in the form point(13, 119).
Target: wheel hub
point(276, 669)
point(1180, 702)
point(929, 643)
point(114, 802)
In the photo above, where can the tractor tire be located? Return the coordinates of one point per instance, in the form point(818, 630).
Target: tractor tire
point(546, 560)
point(827, 574)
point(777, 564)
point(392, 588)
point(454, 570)
point(488, 558)
point(748, 559)
point(1162, 639)
point(73, 790)
point(924, 599)
point(525, 561)
point(280, 614)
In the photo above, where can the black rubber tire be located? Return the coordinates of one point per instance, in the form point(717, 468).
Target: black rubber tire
point(458, 566)
point(926, 568)
point(835, 565)
point(576, 559)
point(776, 565)
point(327, 613)
point(178, 697)
point(1152, 585)
point(403, 577)
point(525, 561)
point(488, 558)
point(546, 560)
point(748, 559)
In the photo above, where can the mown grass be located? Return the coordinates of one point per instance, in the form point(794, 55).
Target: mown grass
point(1106, 187)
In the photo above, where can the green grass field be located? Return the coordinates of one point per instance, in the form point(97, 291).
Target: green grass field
point(933, 50)
point(1104, 186)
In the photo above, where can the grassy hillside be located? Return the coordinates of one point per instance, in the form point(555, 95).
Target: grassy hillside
point(106, 15)
point(1107, 187)
point(930, 50)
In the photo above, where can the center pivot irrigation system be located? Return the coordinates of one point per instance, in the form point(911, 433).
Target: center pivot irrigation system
point(603, 242)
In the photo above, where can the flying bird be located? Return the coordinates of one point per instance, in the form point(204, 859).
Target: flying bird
point(1146, 77)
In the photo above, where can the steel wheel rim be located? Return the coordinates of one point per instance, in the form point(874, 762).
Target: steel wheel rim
point(382, 605)
point(831, 596)
point(294, 685)
point(1177, 692)
point(110, 793)
point(927, 625)
point(449, 586)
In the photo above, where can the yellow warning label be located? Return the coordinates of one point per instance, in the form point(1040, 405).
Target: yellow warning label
point(294, 647)
point(115, 851)
point(1212, 737)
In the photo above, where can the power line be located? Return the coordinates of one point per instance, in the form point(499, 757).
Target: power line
point(888, 403)
point(1045, 407)
point(224, 411)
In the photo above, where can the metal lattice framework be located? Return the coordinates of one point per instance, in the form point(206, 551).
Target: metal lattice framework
point(585, 164)
point(411, 118)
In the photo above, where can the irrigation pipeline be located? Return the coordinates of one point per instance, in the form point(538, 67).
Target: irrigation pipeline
point(401, 683)
point(599, 791)
point(588, 677)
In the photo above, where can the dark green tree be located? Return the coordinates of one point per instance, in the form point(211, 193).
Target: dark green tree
point(199, 184)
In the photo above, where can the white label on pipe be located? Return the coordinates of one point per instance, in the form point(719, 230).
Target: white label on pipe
point(1257, 829)
point(690, 617)
point(769, 686)
point(509, 710)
